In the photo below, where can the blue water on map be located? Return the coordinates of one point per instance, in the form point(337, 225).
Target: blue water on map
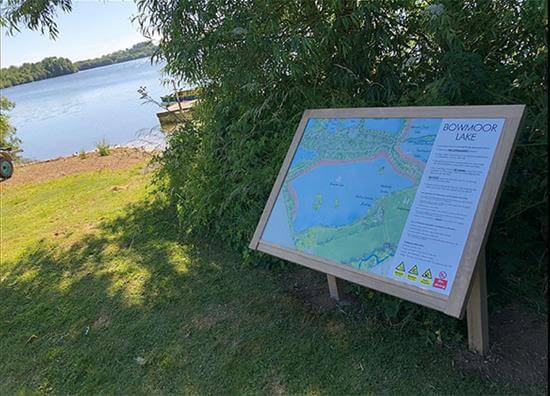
point(338, 194)
point(303, 155)
point(384, 124)
point(277, 229)
point(420, 139)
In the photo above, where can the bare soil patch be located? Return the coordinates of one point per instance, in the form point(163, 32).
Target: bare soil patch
point(518, 349)
point(311, 288)
point(119, 158)
point(519, 339)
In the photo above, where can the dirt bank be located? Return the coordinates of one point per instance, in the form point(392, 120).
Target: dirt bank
point(119, 158)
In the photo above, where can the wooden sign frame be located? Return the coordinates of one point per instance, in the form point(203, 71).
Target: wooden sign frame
point(474, 252)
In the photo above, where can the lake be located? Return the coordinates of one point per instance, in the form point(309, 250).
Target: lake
point(339, 194)
point(63, 115)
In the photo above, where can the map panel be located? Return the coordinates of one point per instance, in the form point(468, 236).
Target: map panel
point(349, 189)
point(390, 196)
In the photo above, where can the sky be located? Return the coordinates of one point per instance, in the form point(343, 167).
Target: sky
point(92, 29)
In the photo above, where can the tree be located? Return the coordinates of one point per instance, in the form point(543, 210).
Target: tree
point(34, 14)
point(56, 66)
point(261, 63)
point(27, 72)
point(8, 139)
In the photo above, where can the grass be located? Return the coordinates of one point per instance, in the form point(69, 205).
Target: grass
point(99, 294)
point(103, 148)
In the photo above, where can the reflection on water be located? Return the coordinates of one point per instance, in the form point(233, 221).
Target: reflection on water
point(63, 115)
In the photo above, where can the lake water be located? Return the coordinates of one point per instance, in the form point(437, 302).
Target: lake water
point(63, 115)
point(320, 192)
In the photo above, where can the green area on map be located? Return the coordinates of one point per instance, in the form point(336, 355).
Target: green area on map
point(349, 188)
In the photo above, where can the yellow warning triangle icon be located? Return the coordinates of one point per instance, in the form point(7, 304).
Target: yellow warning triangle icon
point(427, 274)
point(414, 270)
point(400, 267)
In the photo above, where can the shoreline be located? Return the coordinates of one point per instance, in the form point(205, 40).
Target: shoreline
point(139, 144)
point(43, 170)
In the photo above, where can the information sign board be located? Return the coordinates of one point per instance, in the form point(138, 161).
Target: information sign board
point(395, 199)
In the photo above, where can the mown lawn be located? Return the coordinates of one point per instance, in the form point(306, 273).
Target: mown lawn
point(97, 294)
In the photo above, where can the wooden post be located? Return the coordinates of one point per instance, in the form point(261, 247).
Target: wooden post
point(335, 287)
point(476, 311)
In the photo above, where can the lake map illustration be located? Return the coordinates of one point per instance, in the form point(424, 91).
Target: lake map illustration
point(350, 187)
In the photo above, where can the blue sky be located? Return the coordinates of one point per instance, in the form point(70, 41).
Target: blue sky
point(92, 29)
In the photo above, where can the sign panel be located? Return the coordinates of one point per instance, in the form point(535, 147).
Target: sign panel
point(387, 197)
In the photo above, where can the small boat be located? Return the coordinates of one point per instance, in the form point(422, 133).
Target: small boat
point(175, 113)
point(178, 106)
point(178, 96)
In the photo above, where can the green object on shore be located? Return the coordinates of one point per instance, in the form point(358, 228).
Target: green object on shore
point(6, 167)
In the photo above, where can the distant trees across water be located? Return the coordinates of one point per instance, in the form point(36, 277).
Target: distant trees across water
point(56, 66)
point(139, 50)
point(27, 72)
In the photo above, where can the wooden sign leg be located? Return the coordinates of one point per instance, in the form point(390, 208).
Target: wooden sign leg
point(477, 314)
point(335, 287)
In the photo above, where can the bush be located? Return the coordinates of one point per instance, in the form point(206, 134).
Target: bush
point(261, 64)
point(8, 137)
point(103, 148)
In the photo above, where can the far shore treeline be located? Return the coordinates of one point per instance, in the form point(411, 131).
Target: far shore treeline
point(57, 66)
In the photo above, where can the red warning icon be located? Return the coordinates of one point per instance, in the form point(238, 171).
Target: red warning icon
point(440, 283)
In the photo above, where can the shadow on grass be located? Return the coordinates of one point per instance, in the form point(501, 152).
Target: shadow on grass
point(128, 308)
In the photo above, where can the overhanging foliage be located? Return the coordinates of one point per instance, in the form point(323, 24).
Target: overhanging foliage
point(261, 63)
